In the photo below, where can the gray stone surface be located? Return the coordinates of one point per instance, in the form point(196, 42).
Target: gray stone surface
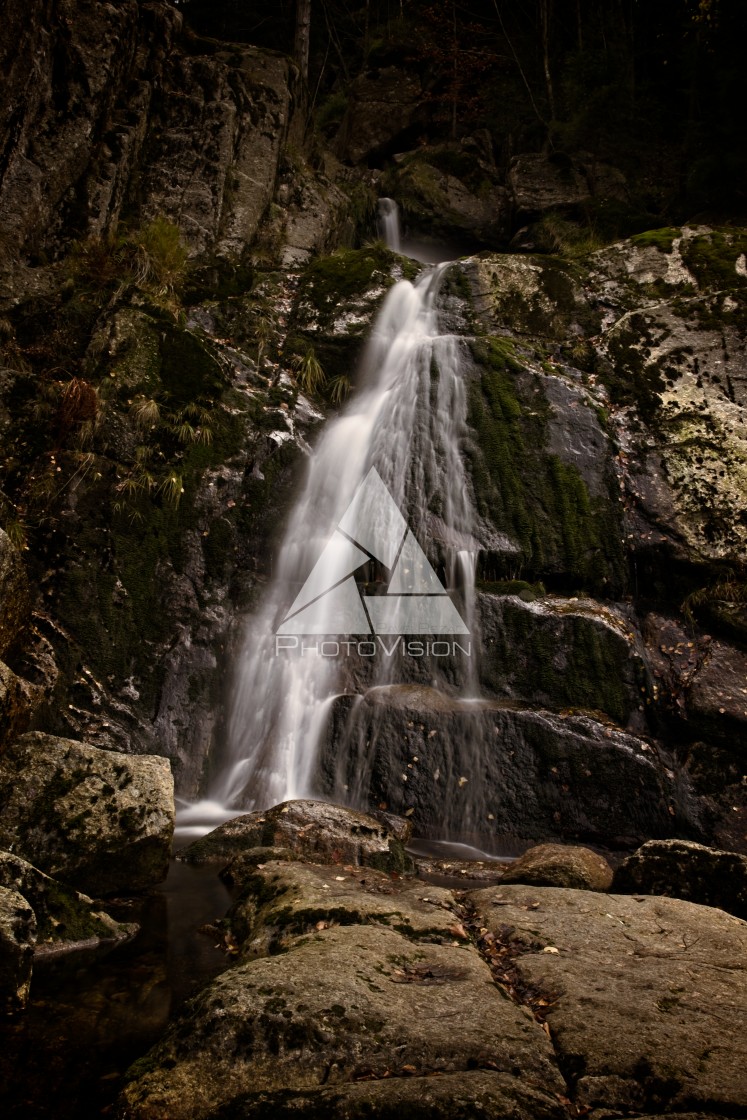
point(14, 596)
point(645, 997)
point(63, 916)
point(284, 900)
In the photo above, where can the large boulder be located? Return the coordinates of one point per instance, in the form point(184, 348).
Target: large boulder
point(17, 937)
point(645, 998)
point(478, 770)
point(100, 821)
point(63, 916)
point(312, 830)
point(683, 869)
point(561, 865)
point(14, 595)
point(383, 106)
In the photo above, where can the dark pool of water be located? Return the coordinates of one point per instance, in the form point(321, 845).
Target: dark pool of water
point(92, 1014)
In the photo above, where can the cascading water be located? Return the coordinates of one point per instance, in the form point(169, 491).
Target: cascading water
point(408, 421)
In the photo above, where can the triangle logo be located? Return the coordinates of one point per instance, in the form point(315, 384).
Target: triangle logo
point(372, 527)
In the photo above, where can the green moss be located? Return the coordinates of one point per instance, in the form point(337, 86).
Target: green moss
point(541, 502)
point(662, 239)
point(188, 370)
point(347, 274)
point(712, 258)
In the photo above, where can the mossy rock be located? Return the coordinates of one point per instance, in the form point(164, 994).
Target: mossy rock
point(62, 915)
point(536, 498)
point(101, 821)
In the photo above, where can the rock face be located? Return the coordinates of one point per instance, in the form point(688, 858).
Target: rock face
point(313, 830)
point(101, 821)
point(451, 195)
point(559, 865)
point(631, 1027)
point(63, 916)
point(686, 870)
point(383, 105)
point(17, 937)
point(528, 774)
point(626, 369)
point(126, 112)
point(14, 705)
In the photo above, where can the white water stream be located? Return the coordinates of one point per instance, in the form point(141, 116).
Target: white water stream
point(408, 420)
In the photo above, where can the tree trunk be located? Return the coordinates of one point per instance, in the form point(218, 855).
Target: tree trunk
point(301, 45)
point(545, 17)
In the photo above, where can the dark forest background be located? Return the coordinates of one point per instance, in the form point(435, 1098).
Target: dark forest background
point(655, 87)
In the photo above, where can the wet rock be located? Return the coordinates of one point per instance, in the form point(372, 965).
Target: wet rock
point(100, 821)
point(460, 871)
point(283, 901)
point(564, 653)
point(645, 997)
point(474, 770)
point(62, 915)
point(533, 296)
point(560, 865)
point(14, 596)
point(344, 1004)
point(17, 937)
point(242, 868)
point(682, 869)
point(704, 678)
point(313, 830)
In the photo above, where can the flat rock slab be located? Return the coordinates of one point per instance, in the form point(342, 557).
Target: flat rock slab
point(314, 830)
point(283, 900)
point(647, 996)
point(343, 1005)
point(101, 821)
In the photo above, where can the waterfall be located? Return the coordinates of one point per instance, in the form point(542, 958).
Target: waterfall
point(389, 223)
point(408, 422)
